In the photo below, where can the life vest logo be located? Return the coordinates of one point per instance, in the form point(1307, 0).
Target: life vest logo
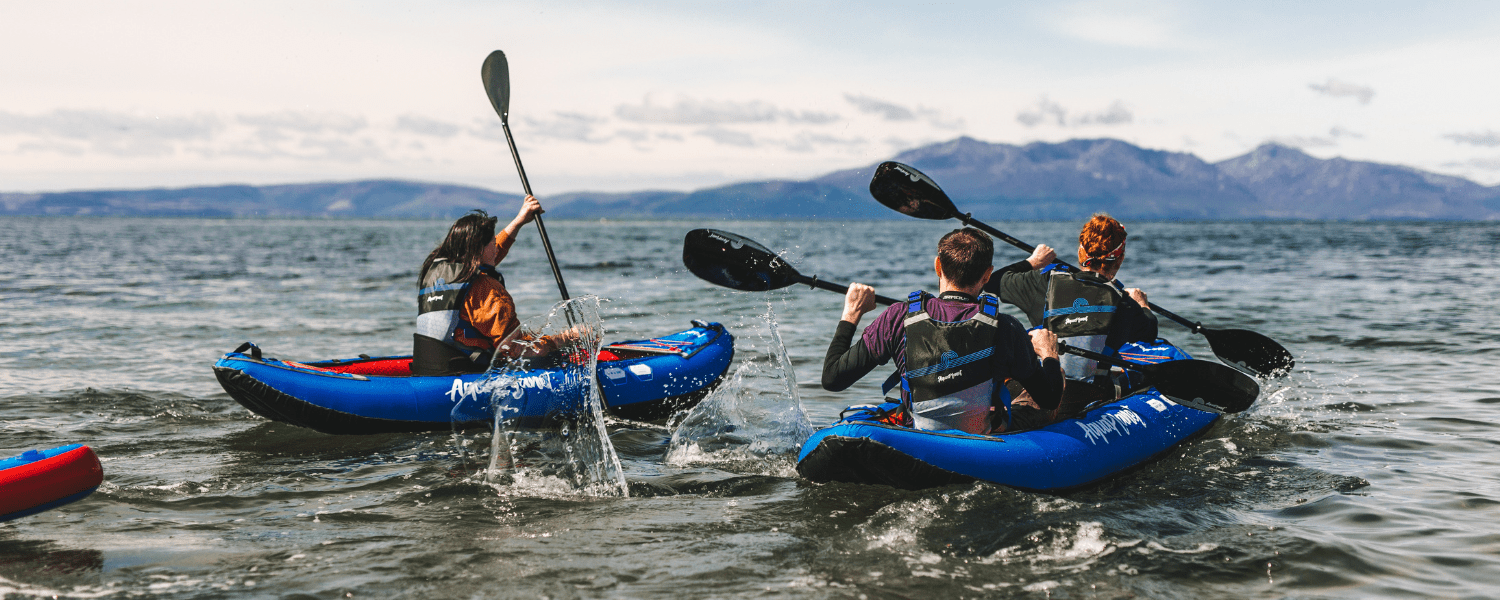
point(942, 378)
point(1074, 320)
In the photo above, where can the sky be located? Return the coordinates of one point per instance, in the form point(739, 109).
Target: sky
point(624, 96)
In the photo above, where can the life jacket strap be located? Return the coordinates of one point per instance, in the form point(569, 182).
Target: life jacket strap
point(890, 383)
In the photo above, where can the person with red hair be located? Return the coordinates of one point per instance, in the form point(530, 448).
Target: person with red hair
point(1086, 308)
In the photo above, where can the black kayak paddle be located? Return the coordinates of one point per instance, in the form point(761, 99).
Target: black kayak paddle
point(496, 75)
point(910, 192)
point(740, 263)
point(1200, 384)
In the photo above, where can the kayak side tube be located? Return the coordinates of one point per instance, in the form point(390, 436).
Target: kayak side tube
point(1066, 455)
point(40, 480)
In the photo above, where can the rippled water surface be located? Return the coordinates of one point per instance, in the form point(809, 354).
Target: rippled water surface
point(1371, 471)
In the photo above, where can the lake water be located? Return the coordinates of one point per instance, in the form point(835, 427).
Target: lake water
point(1372, 471)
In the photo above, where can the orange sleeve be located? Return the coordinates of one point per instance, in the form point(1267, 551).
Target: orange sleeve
point(504, 242)
point(490, 309)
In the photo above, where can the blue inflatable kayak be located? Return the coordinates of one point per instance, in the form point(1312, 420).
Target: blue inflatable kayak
point(643, 380)
point(1072, 453)
point(39, 480)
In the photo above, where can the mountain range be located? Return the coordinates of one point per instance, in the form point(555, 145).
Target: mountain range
point(1066, 180)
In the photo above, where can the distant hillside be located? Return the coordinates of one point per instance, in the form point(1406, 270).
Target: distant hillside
point(1292, 185)
point(1073, 179)
point(371, 198)
point(1068, 180)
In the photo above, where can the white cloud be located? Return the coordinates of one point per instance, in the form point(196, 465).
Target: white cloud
point(1336, 88)
point(726, 137)
point(304, 122)
point(1130, 24)
point(1303, 141)
point(889, 111)
point(1047, 110)
point(424, 126)
point(569, 127)
point(690, 111)
point(106, 132)
point(1316, 141)
point(1340, 132)
point(1487, 139)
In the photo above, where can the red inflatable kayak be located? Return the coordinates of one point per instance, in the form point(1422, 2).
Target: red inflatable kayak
point(39, 480)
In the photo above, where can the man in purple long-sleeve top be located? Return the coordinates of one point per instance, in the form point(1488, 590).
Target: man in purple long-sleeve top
point(954, 351)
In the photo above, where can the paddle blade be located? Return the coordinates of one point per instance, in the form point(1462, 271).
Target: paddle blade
point(909, 192)
point(735, 262)
point(496, 76)
point(1250, 350)
point(1203, 385)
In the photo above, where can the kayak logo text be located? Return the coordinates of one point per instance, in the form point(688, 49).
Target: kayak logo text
point(1116, 422)
point(463, 391)
point(518, 386)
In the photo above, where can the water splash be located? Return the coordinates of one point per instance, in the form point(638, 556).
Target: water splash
point(548, 434)
point(755, 414)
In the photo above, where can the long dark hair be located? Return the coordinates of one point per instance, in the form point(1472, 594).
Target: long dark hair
point(464, 245)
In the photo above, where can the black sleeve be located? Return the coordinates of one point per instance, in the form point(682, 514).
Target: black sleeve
point(1026, 290)
point(1138, 324)
point(1045, 380)
point(1149, 331)
point(844, 365)
point(1019, 266)
point(1046, 384)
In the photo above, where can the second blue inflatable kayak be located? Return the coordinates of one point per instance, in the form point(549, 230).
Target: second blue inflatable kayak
point(640, 380)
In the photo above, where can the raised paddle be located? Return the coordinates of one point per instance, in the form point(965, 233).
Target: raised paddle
point(496, 76)
point(910, 192)
point(739, 263)
point(1200, 384)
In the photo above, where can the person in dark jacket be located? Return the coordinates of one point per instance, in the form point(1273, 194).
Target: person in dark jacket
point(1086, 308)
point(953, 352)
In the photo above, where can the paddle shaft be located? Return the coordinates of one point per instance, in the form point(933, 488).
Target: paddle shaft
point(834, 287)
point(1095, 356)
point(541, 228)
point(972, 222)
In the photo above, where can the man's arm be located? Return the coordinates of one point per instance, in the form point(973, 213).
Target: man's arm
point(843, 366)
point(1044, 382)
point(1143, 323)
point(1041, 256)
